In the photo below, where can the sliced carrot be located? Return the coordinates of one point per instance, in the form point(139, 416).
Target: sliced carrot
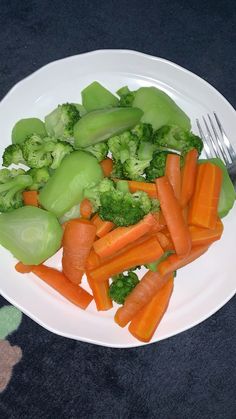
point(141, 295)
point(204, 203)
point(173, 216)
point(160, 222)
point(145, 323)
point(174, 262)
point(31, 198)
point(22, 268)
point(107, 166)
point(93, 260)
point(102, 227)
point(145, 252)
point(201, 236)
point(149, 188)
point(173, 174)
point(165, 241)
point(100, 292)
point(120, 237)
point(86, 208)
point(57, 280)
point(77, 242)
point(189, 173)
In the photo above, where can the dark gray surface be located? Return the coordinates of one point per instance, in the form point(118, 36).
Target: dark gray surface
point(191, 375)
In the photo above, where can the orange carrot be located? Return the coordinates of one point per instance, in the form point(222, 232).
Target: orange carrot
point(189, 173)
point(22, 268)
point(204, 204)
point(141, 295)
point(173, 174)
point(77, 242)
point(160, 222)
point(107, 166)
point(103, 227)
point(93, 260)
point(145, 252)
point(205, 236)
point(165, 241)
point(144, 324)
point(173, 216)
point(31, 198)
point(121, 236)
point(174, 262)
point(100, 292)
point(86, 208)
point(149, 188)
point(74, 293)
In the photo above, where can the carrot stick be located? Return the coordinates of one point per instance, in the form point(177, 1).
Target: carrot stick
point(145, 252)
point(149, 188)
point(204, 203)
point(121, 236)
point(189, 173)
point(30, 198)
point(55, 279)
point(174, 262)
point(86, 208)
point(165, 241)
point(201, 236)
point(103, 227)
point(144, 324)
point(93, 260)
point(173, 174)
point(22, 268)
point(77, 242)
point(160, 222)
point(141, 295)
point(100, 292)
point(173, 216)
point(107, 166)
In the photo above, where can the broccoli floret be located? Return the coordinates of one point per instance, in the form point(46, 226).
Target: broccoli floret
point(123, 146)
point(12, 183)
point(39, 178)
point(126, 96)
point(60, 150)
point(117, 171)
point(122, 285)
point(37, 151)
point(124, 209)
point(156, 167)
point(99, 150)
point(93, 193)
point(134, 168)
point(144, 132)
point(60, 122)
point(176, 138)
point(12, 155)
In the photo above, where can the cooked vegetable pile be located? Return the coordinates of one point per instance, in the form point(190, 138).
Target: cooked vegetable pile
point(117, 183)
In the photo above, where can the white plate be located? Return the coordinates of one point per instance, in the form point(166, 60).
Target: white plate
point(200, 289)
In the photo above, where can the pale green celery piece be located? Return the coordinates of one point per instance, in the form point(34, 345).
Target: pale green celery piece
point(31, 234)
point(95, 96)
point(74, 212)
point(64, 189)
point(26, 127)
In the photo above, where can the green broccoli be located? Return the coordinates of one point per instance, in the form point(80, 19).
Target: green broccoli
point(93, 193)
point(126, 96)
point(37, 151)
point(117, 171)
point(39, 178)
point(143, 131)
point(99, 150)
point(12, 184)
point(123, 209)
point(60, 122)
point(122, 285)
point(176, 138)
point(123, 146)
point(133, 169)
point(60, 150)
point(156, 167)
point(12, 155)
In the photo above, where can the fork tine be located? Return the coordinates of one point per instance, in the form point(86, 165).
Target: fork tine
point(228, 145)
point(218, 143)
point(211, 139)
point(206, 145)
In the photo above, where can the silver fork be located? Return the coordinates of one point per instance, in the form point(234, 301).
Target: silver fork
point(217, 144)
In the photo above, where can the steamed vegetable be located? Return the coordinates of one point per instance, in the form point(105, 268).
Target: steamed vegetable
point(156, 168)
point(100, 292)
point(39, 178)
point(61, 121)
point(12, 184)
point(122, 285)
point(37, 151)
point(12, 155)
point(99, 150)
point(31, 234)
point(30, 198)
point(176, 138)
point(99, 125)
point(159, 109)
point(65, 187)
point(95, 96)
point(126, 96)
point(27, 127)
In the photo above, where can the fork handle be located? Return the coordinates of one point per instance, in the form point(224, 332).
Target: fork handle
point(232, 173)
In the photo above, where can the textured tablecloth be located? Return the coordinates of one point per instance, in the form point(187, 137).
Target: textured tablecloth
point(191, 375)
